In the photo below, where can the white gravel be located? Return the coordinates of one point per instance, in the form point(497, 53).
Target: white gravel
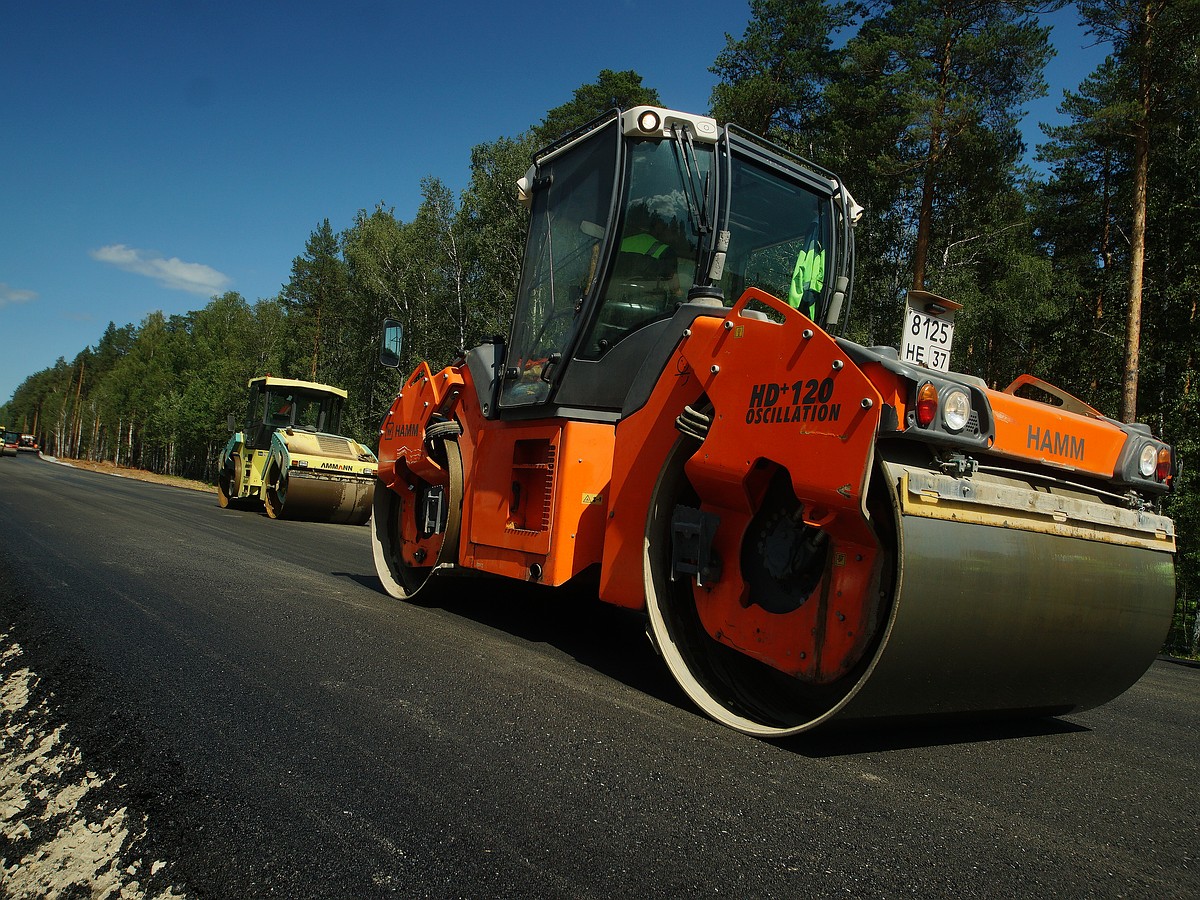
point(57, 839)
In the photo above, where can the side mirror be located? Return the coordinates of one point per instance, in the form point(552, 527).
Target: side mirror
point(389, 353)
point(231, 422)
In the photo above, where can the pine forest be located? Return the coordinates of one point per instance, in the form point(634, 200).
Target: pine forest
point(1077, 260)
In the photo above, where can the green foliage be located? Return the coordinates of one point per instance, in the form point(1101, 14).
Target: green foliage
point(1182, 417)
point(773, 78)
point(942, 85)
point(1084, 213)
point(155, 395)
point(917, 110)
point(492, 225)
point(612, 90)
point(315, 300)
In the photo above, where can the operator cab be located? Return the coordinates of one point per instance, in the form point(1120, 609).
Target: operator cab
point(639, 222)
point(649, 217)
point(285, 403)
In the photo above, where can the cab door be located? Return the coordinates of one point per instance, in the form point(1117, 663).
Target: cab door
point(570, 215)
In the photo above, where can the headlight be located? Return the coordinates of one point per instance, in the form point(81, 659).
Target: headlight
point(649, 121)
point(1148, 460)
point(956, 410)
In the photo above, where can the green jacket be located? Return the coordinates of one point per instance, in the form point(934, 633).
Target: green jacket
point(808, 277)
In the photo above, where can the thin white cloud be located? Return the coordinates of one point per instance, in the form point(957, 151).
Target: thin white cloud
point(15, 295)
point(173, 273)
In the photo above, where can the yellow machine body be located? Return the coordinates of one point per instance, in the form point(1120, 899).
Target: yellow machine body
point(285, 458)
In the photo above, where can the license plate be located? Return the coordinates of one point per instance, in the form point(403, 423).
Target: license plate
point(926, 339)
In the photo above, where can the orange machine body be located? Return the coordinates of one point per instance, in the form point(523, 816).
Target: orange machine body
point(536, 492)
point(546, 499)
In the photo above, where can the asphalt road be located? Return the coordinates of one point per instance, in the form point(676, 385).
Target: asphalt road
point(289, 730)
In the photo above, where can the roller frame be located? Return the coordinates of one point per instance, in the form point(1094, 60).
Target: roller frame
point(399, 577)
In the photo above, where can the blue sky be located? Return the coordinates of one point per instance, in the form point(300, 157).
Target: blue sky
point(153, 154)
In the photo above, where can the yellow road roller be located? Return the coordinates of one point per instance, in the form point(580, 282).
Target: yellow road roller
point(289, 457)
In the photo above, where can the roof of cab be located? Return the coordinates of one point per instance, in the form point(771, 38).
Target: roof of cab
point(272, 382)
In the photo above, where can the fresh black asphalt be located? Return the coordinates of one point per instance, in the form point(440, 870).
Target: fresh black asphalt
point(288, 730)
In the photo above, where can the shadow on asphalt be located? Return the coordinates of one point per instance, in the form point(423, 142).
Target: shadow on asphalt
point(886, 735)
point(1181, 661)
point(370, 582)
point(612, 641)
point(571, 619)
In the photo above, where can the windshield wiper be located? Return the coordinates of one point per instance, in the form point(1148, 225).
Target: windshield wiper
point(710, 261)
point(696, 194)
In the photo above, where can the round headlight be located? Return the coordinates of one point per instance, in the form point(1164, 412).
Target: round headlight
point(1148, 460)
point(649, 121)
point(956, 410)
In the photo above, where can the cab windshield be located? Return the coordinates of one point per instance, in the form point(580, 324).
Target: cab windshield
point(779, 228)
point(572, 201)
point(655, 260)
point(305, 410)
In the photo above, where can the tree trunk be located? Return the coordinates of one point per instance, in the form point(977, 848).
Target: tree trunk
point(924, 226)
point(95, 439)
point(316, 345)
point(1137, 238)
point(925, 216)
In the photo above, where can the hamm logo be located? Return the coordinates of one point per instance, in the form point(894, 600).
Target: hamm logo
point(1056, 443)
point(403, 430)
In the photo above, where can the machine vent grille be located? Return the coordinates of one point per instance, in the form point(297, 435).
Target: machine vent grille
point(332, 446)
point(532, 501)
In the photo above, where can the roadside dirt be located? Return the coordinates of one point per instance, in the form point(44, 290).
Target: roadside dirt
point(66, 826)
point(139, 474)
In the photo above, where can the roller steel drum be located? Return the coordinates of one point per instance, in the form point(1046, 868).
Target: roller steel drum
point(1019, 611)
point(996, 619)
point(338, 499)
point(1004, 600)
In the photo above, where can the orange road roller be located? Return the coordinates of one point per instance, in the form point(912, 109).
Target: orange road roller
point(815, 529)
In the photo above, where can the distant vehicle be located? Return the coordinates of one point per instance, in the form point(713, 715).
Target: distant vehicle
point(11, 441)
point(289, 456)
point(27, 442)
